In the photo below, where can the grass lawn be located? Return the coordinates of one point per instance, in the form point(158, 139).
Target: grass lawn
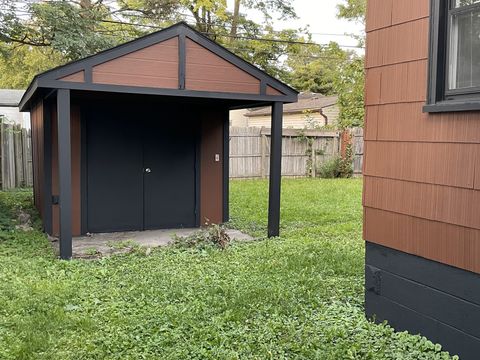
point(296, 297)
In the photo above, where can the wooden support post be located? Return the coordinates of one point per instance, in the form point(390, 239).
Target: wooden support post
point(314, 161)
point(65, 172)
point(275, 171)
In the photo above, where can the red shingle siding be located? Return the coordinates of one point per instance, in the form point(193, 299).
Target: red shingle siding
point(422, 171)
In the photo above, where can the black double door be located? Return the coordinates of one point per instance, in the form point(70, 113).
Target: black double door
point(141, 170)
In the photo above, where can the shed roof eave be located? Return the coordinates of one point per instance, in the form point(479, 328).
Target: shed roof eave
point(25, 101)
point(55, 84)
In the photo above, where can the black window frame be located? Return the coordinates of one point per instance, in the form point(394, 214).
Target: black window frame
point(439, 97)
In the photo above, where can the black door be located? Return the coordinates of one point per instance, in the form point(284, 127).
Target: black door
point(169, 172)
point(114, 172)
point(141, 170)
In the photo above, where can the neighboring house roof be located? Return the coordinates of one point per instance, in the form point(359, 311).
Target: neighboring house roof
point(10, 97)
point(306, 101)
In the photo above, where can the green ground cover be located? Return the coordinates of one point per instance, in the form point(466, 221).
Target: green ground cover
point(296, 297)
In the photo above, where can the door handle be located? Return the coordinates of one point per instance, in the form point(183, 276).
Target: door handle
point(148, 170)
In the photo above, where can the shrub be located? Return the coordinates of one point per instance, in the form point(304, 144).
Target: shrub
point(211, 236)
point(330, 169)
point(338, 167)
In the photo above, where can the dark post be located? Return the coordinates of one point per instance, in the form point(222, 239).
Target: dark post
point(47, 164)
point(275, 170)
point(65, 173)
point(181, 61)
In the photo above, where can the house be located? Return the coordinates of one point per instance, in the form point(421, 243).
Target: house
point(422, 169)
point(311, 111)
point(107, 159)
point(9, 100)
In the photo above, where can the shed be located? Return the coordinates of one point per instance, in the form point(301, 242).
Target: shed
point(137, 137)
point(422, 169)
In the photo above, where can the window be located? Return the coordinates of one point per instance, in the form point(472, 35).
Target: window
point(454, 62)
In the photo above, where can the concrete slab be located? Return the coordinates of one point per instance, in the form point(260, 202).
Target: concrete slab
point(104, 244)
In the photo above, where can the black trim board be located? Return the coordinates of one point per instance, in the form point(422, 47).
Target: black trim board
point(457, 282)
point(52, 84)
point(423, 296)
point(452, 106)
point(50, 78)
point(182, 59)
point(402, 318)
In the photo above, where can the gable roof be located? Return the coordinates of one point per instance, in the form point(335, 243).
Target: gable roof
point(77, 75)
point(10, 97)
point(306, 101)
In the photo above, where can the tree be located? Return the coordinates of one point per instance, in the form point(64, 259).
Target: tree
point(36, 36)
point(233, 30)
point(350, 81)
point(283, 8)
point(349, 85)
point(208, 15)
point(73, 28)
point(19, 64)
point(353, 10)
point(315, 68)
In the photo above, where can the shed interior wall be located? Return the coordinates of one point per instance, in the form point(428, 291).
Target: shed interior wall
point(211, 170)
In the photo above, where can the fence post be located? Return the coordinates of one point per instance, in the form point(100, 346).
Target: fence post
point(17, 144)
point(263, 145)
point(314, 161)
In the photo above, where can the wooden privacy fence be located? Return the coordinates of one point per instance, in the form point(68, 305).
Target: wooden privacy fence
point(15, 157)
point(250, 151)
point(357, 143)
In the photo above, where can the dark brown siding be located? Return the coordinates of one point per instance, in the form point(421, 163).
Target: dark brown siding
point(206, 71)
point(154, 66)
point(75, 77)
point(422, 171)
point(211, 171)
point(37, 153)
point(76, 174)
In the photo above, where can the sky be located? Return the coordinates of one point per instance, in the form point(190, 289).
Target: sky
point(320, 16)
